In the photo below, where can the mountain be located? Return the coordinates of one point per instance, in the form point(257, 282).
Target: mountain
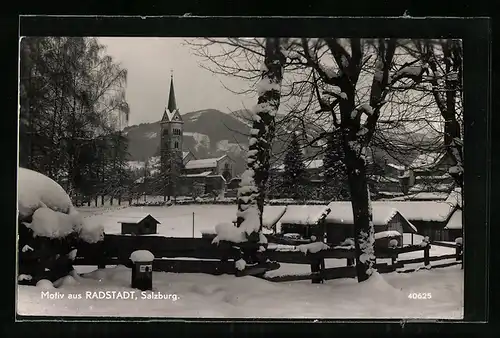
point(207, 133)
point(212, 133)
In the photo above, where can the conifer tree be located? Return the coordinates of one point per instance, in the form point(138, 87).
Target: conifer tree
point(295, 175)
point(335, 179)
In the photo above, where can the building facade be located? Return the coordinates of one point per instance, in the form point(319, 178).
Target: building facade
point(194, 176)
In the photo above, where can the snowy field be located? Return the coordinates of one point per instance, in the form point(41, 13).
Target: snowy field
point(175, 221)
point(205, 296)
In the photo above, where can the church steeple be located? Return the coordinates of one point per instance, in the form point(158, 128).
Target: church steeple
point(172, 106)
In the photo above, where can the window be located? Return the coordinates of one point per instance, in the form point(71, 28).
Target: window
point(176, 145)
point(226, 166)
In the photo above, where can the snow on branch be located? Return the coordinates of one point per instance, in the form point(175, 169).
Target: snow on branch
point(266, 85)
point(362, 108)
point(414, 73)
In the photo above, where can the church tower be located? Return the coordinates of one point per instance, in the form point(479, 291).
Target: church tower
point(172, 128)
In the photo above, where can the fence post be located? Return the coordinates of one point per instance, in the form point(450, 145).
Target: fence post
point(193, 224)
point(458, 252)
point(317, 265)
point(426, 255)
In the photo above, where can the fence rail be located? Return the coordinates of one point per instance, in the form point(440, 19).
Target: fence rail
point(219, 259)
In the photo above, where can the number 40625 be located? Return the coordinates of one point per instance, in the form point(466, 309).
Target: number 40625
point(420, 295)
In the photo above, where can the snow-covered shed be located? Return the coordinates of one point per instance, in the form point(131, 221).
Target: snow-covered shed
point(301, 218)
point(340, 222)
point(429, 217)
point(141, 225)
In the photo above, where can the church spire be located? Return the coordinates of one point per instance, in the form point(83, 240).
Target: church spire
point(172, 106)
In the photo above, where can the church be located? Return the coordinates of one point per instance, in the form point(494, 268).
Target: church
point(196, 176)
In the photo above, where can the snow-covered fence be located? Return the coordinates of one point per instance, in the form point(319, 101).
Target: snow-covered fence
point(179, 255)
point(199, 255)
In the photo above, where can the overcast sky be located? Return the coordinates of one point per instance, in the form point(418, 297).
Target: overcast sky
point(149, 62)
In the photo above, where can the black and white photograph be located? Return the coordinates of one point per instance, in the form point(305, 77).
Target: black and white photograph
point(241, 177)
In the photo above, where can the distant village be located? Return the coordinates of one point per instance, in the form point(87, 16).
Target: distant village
point(425, 179)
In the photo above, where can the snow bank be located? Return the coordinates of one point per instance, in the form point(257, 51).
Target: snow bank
point(45, 284)
point(142, 256)
point(36, 190)
point(225, 296)
point(386, 234)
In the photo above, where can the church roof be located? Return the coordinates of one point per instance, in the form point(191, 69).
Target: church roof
point(171, 112)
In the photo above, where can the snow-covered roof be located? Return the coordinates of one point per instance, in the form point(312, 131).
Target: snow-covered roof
point(427, 160)
point(455, 197)
point(271, 215)
point(185, 154)
point(436, 211)
point(309, 164)
point(303, 214)
point(204, 163)
point(423, 187)
point(424, 196)
point(203, 174)
point(383, 179)
point(382, 213)
point(396, 166)
point(387, 234)
point(455, 221)
point(136, 218)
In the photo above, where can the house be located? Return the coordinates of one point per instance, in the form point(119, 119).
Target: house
point(140, 225)
point(222, 165)
point(340, 222)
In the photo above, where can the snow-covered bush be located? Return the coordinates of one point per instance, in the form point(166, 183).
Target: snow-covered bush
point(49, 228)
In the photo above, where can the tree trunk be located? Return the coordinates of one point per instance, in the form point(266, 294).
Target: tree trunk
point(111, 200)
point(363, 225)
point(253, 187)
point(102, 199)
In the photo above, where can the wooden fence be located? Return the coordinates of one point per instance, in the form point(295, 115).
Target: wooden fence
point(199, 255)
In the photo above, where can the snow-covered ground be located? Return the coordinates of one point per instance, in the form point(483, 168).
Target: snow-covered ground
point(175, 221)
point(201, 295)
